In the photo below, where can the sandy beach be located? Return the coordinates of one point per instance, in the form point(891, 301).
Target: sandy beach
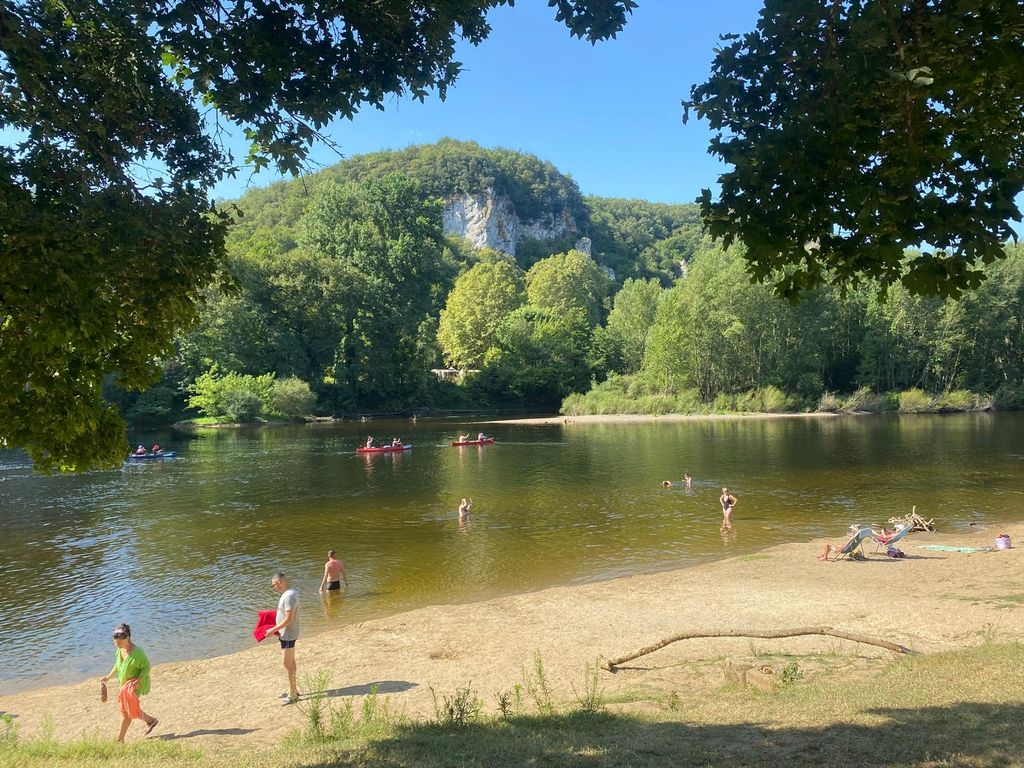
point(631, 418)
point(929, 601)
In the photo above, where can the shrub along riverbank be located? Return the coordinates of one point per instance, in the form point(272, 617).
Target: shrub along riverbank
point(629, 395)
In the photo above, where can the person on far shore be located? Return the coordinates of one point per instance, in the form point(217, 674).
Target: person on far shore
point(728, 501)
point(687, 480)
point(288, 627)
point(369, 441)
point(334, 572)
point(132, 669)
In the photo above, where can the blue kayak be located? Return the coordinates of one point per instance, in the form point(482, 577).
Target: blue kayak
point(152, 456)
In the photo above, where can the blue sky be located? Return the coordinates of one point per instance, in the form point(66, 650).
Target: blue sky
point(608, 115)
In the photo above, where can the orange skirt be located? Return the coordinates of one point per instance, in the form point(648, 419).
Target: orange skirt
point(129, 699)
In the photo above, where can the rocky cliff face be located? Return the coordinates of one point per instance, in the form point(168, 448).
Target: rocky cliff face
point(490, 221)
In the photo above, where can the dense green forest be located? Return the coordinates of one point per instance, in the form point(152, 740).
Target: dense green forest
point(342, 292)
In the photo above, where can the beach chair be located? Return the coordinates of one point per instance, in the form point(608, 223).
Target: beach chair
point(890, 541)
point(849, 550)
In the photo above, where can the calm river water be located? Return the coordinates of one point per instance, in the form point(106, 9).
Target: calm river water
point(183, 550)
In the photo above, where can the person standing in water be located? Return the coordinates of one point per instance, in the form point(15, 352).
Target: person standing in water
point(728, 501)
point(132, 669)
point(687, 480)
point(334, 572)
point(464, 508)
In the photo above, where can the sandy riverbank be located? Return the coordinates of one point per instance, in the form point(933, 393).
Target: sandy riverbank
point(631, 418)
point(929, 601)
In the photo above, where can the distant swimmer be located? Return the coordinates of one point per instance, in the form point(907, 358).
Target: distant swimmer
point(666, 483)
point(728, 501)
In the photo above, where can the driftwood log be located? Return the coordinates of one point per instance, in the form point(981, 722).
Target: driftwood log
point(611, 664)
point(914, 521)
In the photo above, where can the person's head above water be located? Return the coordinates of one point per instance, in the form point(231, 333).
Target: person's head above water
point(331, 553)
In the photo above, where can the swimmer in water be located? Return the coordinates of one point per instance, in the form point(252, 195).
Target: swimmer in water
point(334, 573)
point(728, 501)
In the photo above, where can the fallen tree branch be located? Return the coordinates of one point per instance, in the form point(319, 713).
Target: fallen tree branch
point(611, 664)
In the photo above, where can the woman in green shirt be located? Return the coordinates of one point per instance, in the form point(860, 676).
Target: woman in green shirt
point(132, 669)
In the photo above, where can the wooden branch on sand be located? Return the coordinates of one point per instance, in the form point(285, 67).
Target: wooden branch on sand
point(914, 521)
point(611, 664)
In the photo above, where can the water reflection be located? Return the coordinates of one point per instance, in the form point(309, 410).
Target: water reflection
point(162, 543)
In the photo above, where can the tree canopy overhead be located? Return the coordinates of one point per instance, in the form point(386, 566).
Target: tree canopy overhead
point(106, 229)
point(857, 129)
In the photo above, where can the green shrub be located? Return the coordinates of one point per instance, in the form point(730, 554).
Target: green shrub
point(865, 400)
point(723, 403)
point(688, 401)
point(291, 398)
point(747, 402)
point(240, 405)
point(234, 396)
point(1009, 397)
point(830, 403)
point(457, 711)
point(916, 401)
point(956, 400)
point(774, 400)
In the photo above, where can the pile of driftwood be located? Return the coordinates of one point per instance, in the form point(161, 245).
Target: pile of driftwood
point(914, 521)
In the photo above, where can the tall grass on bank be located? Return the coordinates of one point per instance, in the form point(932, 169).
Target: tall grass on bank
point(91, 749)
point(629, 395)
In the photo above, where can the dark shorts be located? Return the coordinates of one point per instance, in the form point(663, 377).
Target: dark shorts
point(333, 585)
point(287, 644)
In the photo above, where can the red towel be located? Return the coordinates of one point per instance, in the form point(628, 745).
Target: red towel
point(264, 621)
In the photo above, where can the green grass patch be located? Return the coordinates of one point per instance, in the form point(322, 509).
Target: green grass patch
point(961, 708)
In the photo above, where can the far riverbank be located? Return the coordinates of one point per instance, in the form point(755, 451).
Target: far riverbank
point(631, 418)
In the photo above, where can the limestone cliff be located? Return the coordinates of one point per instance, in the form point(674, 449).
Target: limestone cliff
point(489, 220)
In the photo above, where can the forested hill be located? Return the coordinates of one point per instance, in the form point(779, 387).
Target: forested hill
point(349, 288)
point(634, 238)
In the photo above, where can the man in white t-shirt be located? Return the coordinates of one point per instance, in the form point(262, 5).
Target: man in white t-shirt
point(288, 627)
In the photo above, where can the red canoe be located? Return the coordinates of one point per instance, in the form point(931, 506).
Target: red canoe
point(385, 449)
point(485, 441)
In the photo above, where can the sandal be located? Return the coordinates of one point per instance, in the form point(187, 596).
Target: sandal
point(152, 725)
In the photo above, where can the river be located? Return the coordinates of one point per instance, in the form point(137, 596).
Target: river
point(184, 549)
